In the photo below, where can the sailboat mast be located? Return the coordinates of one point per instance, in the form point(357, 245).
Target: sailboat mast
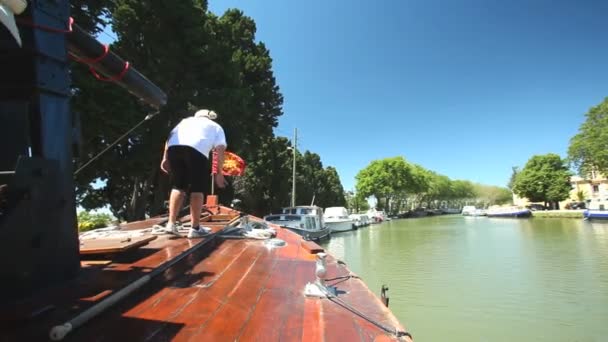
point(293, 180)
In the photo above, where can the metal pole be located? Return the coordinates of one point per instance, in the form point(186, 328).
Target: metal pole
point(293, 181)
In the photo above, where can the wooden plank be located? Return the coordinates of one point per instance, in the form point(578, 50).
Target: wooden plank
point(268, 318)
point(199, 274)
point(294, 322)
point(311, 247)
point(109, 246)
point(231, 317)
point(88, 263)
point(98, 296)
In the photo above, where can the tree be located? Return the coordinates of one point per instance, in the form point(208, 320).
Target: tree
point(203, 61)
point(462, 190)
point(545, 178)
point(515, 171)
point(88, 220)
point(314, 181)
point(487, 195)
point(588, 149)
point(384, 179)
point(266, 184)
point(331, 193)
point(356, 203)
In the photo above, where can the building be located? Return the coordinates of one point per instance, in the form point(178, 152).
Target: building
point(592, 190)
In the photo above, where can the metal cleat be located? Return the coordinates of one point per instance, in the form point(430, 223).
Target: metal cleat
point(319, 288)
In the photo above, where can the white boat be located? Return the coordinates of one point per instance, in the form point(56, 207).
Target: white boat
point(480, 212)
point(336, 218)
point(596, 211)
point(376, 216)
point(356, 219)
point(306, 221)
point(468, 210)
point(509, 211)
point(361, 220)
point(365, 219)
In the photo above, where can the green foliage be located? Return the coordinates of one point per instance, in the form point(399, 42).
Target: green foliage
point(588, 149)
point(266, 185)
point(202, 61)
point(515, 171)
point(581, 195)
point(462, 189)
point(545, 178)
point(400, 185)
point(88, 221)
point(315, 181)
point(385, 179)
point(356, 202)
point(486, 195)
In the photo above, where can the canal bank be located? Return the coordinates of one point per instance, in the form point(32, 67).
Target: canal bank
point(455, 278)
point(572, 214)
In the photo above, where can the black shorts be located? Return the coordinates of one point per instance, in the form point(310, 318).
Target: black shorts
point(189, 169)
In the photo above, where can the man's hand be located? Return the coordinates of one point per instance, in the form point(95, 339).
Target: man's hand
point(219, 180)
point(164, 166)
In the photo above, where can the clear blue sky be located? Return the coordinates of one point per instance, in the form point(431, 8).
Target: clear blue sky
point(467, 88)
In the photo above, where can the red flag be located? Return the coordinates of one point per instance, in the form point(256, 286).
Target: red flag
point(233, 164)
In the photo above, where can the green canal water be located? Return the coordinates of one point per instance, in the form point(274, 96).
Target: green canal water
point(455, 278)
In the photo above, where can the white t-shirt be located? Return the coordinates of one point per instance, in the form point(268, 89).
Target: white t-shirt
point(200, 133)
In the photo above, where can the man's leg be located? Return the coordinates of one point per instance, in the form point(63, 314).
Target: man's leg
point(196, 207)
point(176, 199)
point(179, 184)
point(199, 183)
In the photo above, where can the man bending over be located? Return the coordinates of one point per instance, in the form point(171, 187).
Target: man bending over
point(186, 160)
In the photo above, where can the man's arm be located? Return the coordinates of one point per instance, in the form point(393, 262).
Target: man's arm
point(219, 178)
point(164, 164)
point(166, 148)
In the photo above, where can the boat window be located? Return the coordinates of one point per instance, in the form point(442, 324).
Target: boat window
point(305, 211)
point(310, 224)
point(283, 218)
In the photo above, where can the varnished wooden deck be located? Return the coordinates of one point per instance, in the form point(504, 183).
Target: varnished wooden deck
point(228, 290)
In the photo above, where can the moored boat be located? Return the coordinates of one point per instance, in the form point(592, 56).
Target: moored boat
point(337, 219)
point(509, 211)
point(361, 220)
point(468, 210)
point(596, 211)
point(479, 212)
point(376, 216)
point(595, 214)
point(306, 221)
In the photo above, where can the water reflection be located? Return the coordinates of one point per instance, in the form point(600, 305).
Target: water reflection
point(453, 278)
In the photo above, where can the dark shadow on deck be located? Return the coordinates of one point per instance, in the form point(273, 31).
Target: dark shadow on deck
point(31, 319)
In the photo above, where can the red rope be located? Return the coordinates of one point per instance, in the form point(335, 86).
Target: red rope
point(47, 28)
point(116, 77)
point(106, 50)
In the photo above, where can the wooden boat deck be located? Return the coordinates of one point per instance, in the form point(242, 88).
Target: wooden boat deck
point(229, 289)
